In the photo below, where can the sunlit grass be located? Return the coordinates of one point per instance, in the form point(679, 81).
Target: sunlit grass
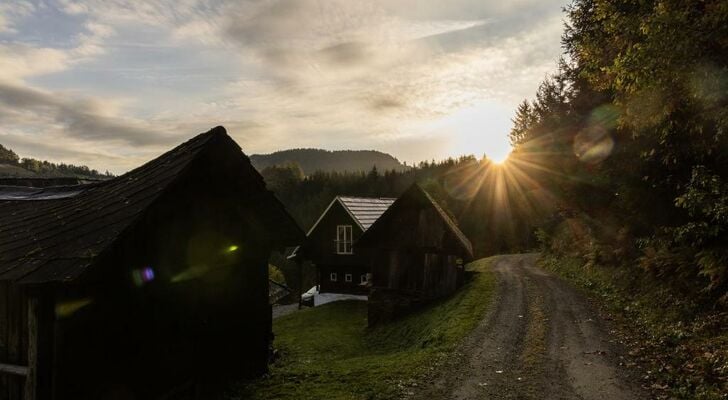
point(329, 353)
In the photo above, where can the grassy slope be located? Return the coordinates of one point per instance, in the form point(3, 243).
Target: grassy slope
point(328, 352)
point(684, 351)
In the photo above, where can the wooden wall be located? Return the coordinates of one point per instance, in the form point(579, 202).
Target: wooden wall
point(204, 315)
point(320, 248)
point(13, 339)
point(341, 286)
point(413, 262)
point(202, 312)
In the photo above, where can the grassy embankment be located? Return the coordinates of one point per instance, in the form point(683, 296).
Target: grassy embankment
point(329, 353)
point(682, 347)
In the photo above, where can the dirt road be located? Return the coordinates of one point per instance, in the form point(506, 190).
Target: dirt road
point(540, 340)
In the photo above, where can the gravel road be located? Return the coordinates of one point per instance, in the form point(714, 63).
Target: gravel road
point(541, 339)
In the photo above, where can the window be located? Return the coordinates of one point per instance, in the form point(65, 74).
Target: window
point(344, 239)
point(363, 279)
point(333, 277)
point(347, 278)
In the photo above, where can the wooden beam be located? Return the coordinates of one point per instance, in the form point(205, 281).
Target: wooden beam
point(13, 369)
point(31, 377)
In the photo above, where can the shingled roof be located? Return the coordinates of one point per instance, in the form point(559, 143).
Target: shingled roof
point(363, 210)
point(415, 194)
point(55, 234)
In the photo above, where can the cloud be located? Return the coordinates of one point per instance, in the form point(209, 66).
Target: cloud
point(18, 61)
point(346, 53)
point(135, 77)
point(83, 119)
point(11, 11)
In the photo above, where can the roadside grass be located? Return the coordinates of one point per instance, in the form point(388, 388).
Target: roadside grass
point(329, 353)
point(682, 348)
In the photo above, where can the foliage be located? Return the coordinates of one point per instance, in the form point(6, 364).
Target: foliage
point(328, 352)
point(8, 156)
point(653, 319)
point(275, 274)
point(47, 169)
point(630, 136)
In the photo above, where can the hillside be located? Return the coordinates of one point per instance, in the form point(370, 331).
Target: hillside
point(312, 160)
point(14, 171)
point(12, 166)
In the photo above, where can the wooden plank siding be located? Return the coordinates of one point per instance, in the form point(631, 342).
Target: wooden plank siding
point(13, 341)
point(415, 249)
point(321, 249)
point(147, 282)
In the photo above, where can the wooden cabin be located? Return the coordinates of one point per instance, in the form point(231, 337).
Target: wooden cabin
point(417, 254)
point(330, 243)
point(136, 287)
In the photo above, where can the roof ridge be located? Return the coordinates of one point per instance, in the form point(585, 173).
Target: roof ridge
point(197, 143)
point(124, 199)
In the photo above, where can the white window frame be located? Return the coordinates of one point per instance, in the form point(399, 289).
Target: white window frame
point(348, 278)
point(344, 239)
point(363, 279)
point(333, 277)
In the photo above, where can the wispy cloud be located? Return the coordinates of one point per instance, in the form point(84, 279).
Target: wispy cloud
point(125, 79)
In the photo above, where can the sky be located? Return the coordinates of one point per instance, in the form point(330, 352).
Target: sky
point(114, 83)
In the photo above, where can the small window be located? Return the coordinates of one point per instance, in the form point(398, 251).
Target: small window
point(333, 277)
point(363, 279)
point(344, 239)
point(347, 277)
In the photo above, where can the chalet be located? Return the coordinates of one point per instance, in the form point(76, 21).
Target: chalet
point(330, 243)
point(133, 286)
point(416, 254)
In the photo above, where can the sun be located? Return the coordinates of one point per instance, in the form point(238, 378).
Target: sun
point(499, 159)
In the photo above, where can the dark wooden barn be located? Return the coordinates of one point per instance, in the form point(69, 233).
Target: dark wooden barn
point(330, 243)
point(135, 286)
point(417, 253)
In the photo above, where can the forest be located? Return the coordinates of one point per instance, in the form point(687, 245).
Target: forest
point(45, 169)
point(618, 160)
point(618, 176)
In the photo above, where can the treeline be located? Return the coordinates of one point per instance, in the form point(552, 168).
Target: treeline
point(48, 169)
point(630, 138)
point(472, 190)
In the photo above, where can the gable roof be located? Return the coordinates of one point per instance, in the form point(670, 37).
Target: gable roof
point(417, 194)
point(55, 234)
point(363, 210)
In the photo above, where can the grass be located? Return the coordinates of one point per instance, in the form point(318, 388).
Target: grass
point(682, 348)
point(329, 353)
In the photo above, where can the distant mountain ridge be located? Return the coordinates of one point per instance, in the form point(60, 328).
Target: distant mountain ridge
point(312, 160)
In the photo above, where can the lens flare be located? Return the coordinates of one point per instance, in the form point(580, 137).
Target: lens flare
point(595, 143)
point(68, 308)
point(232, 249)
point(190, 273)
point(142, 276)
